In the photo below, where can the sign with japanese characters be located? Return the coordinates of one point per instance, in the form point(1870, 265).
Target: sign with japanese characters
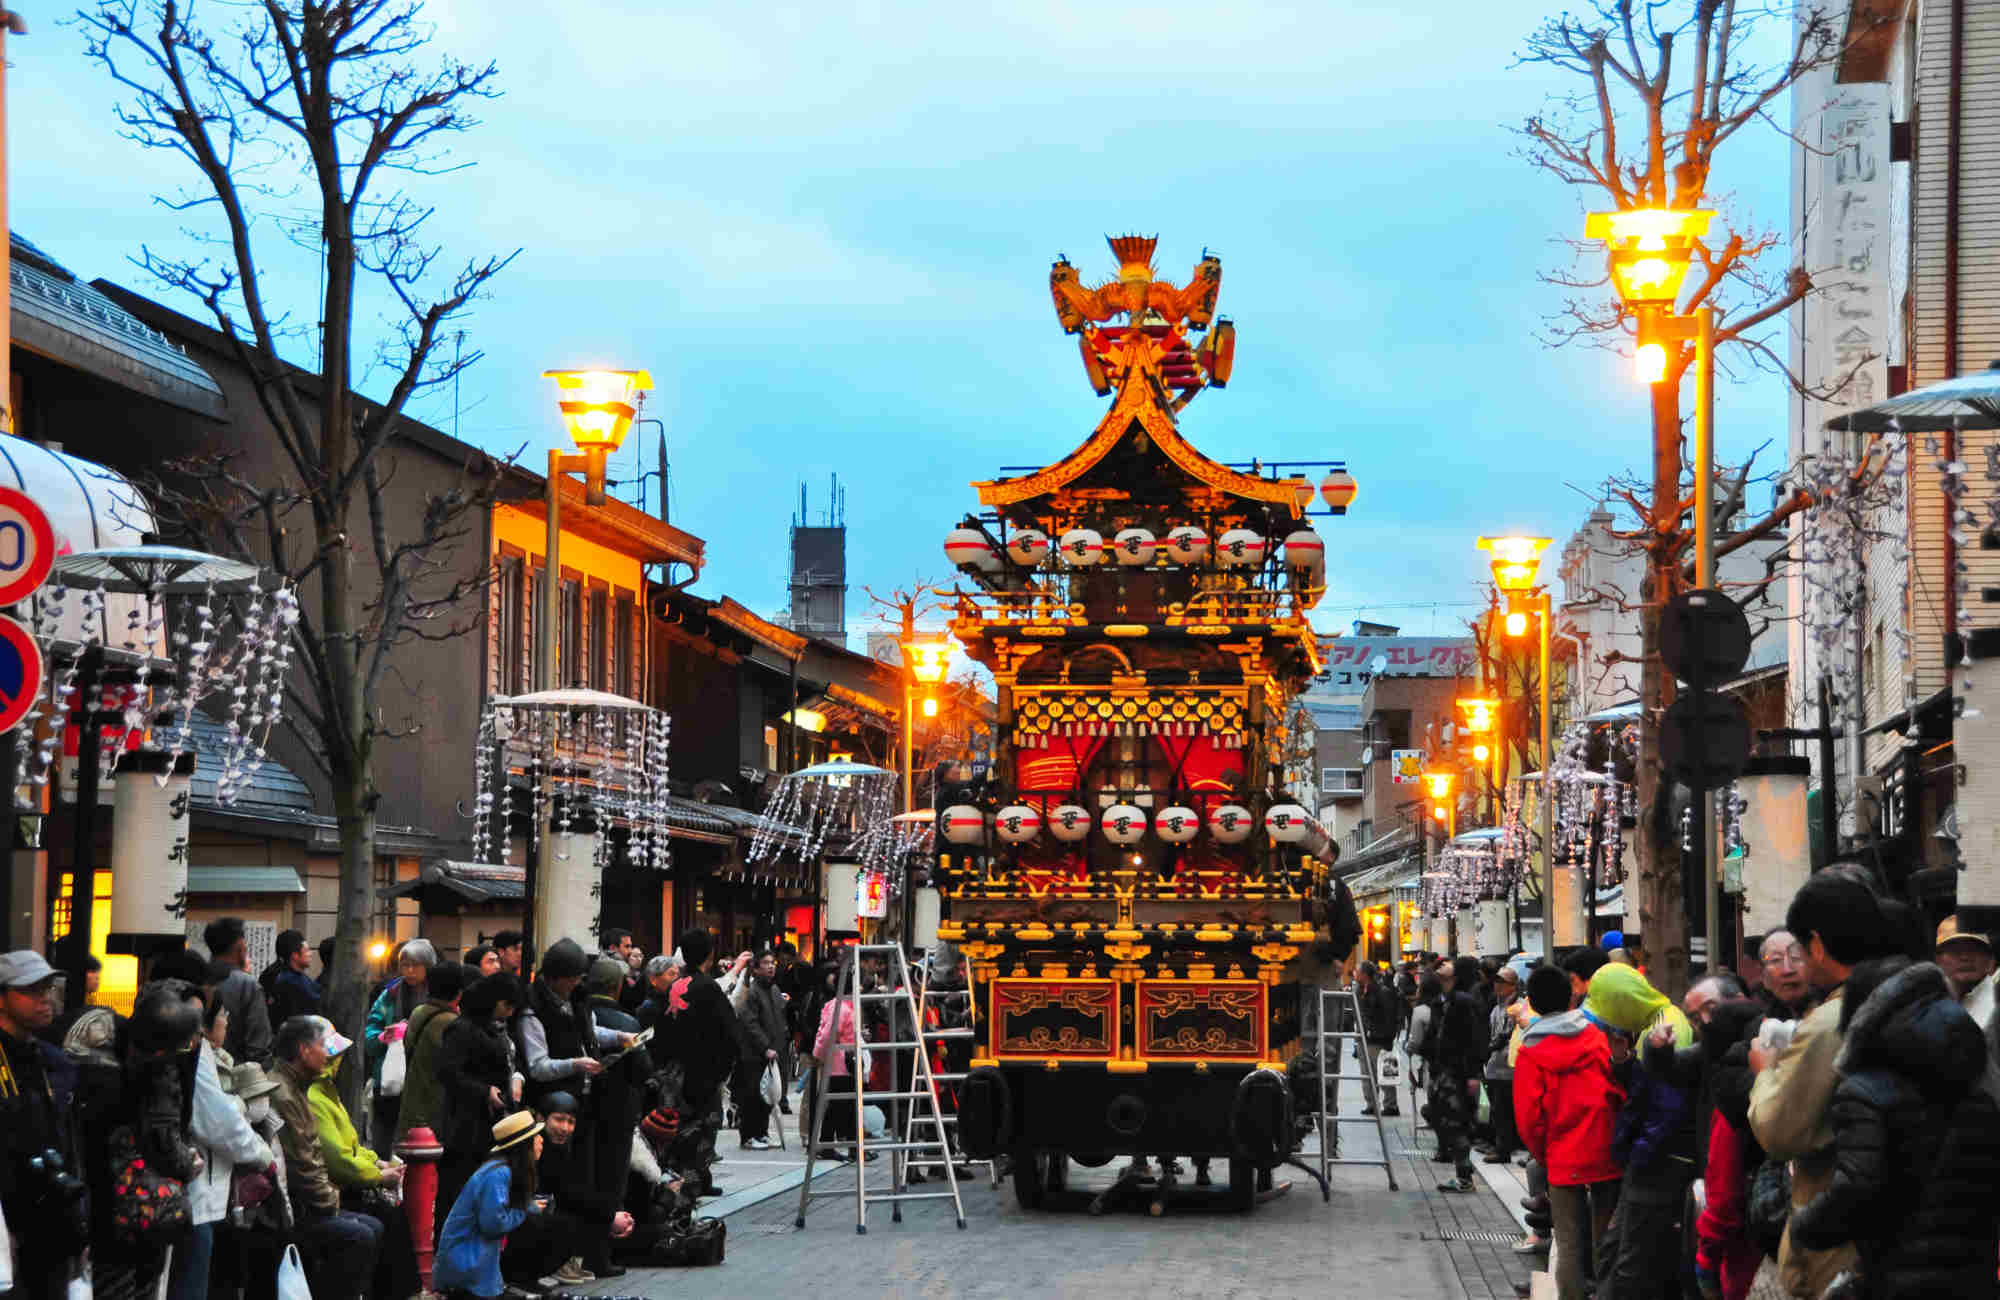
point(1353, 661)
point(1848, 248)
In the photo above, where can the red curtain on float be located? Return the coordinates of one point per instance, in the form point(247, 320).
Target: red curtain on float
point(1211, 774)
point(1043, 779)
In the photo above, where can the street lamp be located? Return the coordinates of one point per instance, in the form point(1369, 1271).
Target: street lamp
point(597, 406)
point(925, 660)
point(1482, 719)
point(1439, 786)
point(1516, 563)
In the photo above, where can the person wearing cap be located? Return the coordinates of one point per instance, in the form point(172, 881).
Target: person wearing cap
point(364, 1179)
point(495, 1202)
point(1965, 957)
point(34, 1119)
point(339, 1247)
point(1499, 1071)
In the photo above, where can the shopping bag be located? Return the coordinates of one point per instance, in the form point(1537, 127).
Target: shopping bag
point(395, 1063)
point(772, 1087)
point(1388, 1071)
point(292, 1276)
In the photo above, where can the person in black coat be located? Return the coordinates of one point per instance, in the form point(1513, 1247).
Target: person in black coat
point(1916, 1177)
point(1458, 1063)
point(702, 1037)
point(478, 1080)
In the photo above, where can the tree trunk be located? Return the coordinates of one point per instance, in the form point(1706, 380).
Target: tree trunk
point(347, 999)
point(1656, 844)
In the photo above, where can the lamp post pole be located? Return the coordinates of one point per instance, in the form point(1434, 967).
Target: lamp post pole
point(1548, 793)
point(535, 924)
point(1704, 577)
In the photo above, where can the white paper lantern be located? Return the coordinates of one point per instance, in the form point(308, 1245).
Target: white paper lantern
point(1030, 547)
point(1305, 550)
point(1776, 842)
point(1134, 546)
point(1338, 489)
point(1176, 825)
point(1240, 548)
point(1496, 930)
point(967, 548)
point(963, 824)
point(1465, 941)
point(1069, 822)
point(1081, 548)
point(1187, 545)
point(1287, 823)
point(1123, 823)
point(1017, 823)
point(1231, 823)
point(149, 847)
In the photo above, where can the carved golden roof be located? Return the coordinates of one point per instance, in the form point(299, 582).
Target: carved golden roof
point(1138, 404)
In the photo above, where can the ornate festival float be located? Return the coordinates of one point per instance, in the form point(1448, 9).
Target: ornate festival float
point(1129, 882)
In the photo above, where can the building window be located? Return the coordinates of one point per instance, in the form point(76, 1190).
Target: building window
point(1340, 780)
point(570, 627)
point(621, 648)
point(600, 640)
point(513, 634)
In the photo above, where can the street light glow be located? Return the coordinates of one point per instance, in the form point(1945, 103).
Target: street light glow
point(930, 706)
point(598, 405)
point(1482, 752)
point(927, 660)
point(1650, 361)
point(1517, 623)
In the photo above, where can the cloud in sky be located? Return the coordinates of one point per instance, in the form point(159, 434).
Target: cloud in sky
point(826, 230)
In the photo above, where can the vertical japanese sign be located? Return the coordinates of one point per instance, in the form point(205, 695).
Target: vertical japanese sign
point(1847, 252)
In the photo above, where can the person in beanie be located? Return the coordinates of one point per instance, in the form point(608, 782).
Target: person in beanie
point(559, 1038)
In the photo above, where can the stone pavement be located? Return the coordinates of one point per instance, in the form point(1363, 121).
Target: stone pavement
point(1370, 1242)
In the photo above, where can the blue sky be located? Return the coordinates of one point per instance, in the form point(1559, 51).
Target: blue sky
point(827, 229)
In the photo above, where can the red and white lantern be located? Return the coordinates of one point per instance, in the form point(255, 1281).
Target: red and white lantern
point(1337, 489)
point(1231, 823)
point(1017, 823)
point(1176, 825)
point(967, 548)
point(1187, 545)
point(1134, 546)
point(1081, 548)
point(1287, 823)
point(1028, 547)
point(1240, 548)
point(1305, 551)
point(1069, 822)
point(1123, 823)
point(963, 824)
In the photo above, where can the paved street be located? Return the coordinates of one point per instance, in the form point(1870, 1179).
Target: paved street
point(1369, 1242)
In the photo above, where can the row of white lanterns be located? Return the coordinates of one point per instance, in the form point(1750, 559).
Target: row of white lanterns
point(1079, 548)
point(1126, 824)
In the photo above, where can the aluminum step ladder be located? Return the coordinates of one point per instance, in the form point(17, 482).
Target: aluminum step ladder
point(928, 997)
point(921, 1093)
point(1342, 1006)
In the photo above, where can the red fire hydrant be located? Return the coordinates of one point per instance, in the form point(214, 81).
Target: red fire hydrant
point(420, 1151)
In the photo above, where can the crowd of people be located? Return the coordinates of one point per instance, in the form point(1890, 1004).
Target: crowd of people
point(1828, 1129)
point(577, 1098)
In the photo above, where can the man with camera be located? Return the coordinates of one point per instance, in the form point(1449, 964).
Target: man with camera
point(40, 1192)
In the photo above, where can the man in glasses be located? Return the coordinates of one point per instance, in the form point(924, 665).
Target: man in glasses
point(1786, 990)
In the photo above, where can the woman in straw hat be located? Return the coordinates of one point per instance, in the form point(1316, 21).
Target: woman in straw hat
point(494, 1203)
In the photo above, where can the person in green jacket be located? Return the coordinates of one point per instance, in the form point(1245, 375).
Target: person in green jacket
point(423, 1043)
point(356, 1172)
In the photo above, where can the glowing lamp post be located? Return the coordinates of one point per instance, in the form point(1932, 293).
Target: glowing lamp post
point(1438, 786)
point(1482, 720)
point(924, 663)
point(598, 407)
point(1516, 563)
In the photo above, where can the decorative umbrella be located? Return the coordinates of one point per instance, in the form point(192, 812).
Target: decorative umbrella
point(152, 570)
point(1967, 402)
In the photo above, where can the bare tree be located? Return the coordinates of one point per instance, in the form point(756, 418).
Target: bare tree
point(332, 100)
point(1665, 84)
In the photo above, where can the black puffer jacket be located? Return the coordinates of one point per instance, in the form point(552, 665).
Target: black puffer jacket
point(1916, 1181)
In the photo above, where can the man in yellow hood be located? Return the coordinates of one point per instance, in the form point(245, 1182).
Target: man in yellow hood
point(1654, 1140)
point(1621, 1000)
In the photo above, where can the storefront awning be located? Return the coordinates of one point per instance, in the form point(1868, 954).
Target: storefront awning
point(244, 880)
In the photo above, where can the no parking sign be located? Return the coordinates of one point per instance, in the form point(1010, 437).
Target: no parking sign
point(20, 672)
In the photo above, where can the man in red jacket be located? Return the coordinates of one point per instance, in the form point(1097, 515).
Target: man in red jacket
point(1566, 1104)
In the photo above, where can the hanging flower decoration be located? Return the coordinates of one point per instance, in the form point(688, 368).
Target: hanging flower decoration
point(227, 653)
point(814, 804)
point(592, 759)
